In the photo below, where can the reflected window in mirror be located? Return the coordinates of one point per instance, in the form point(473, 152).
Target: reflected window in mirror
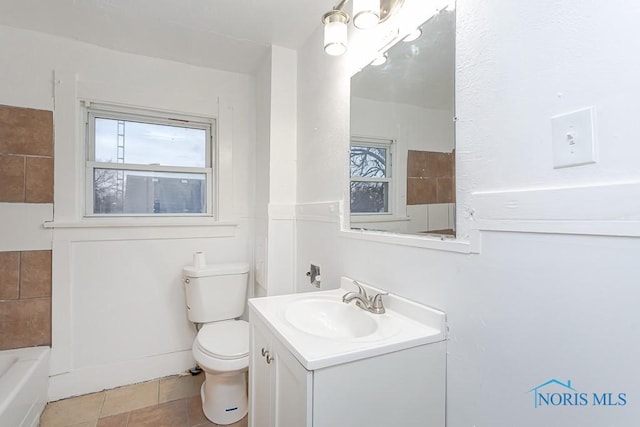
point(371, 176)
point(409, 99)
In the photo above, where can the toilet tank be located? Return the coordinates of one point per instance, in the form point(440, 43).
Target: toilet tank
point(215, 292)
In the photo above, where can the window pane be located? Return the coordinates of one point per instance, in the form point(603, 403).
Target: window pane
point(368, 161)
point(122, 141)
point(369, 197)
point(142, 192)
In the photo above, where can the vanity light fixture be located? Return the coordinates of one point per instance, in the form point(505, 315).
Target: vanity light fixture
point(366, 14)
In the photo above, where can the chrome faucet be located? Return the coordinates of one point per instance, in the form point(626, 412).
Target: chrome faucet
point(371, 304)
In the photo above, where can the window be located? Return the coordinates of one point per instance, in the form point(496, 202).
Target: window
point(144, 164)
point(370, 169)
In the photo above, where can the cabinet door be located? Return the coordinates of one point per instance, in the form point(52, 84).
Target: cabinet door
point(292, 389)
point(260, 378)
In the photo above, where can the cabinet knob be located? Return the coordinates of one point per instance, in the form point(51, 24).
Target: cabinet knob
point(265, 353)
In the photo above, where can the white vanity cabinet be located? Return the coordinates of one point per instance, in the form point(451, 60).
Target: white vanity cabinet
point(279, 386)
point(404, 387)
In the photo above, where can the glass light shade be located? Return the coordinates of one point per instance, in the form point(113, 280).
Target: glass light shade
point(366, 13)
point(335, 32)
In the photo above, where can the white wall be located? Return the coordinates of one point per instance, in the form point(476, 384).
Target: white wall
point(550, 295)
point(262, 195)
point(118, 304)
point(21, 226)
point(282, 162)
point(415, 128)
point(276, 187)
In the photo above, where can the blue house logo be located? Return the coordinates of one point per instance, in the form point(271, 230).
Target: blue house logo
point(541, 398)
point(556, 393)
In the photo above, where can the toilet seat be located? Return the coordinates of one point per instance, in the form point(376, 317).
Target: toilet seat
point(226, 340)
point(222, 347)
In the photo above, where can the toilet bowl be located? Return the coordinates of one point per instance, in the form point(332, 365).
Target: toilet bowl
point(216, 298)
point(221, 349)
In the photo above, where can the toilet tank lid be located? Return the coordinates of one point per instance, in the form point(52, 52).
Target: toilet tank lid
point(216, 269)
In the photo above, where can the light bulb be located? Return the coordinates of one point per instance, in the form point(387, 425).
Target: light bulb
point(366, 13)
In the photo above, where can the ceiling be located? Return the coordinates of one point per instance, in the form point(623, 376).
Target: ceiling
point(418, 73)
point(231, 35)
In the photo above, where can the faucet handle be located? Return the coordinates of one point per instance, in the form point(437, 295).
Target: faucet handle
point(376, 303)
point(361, 290)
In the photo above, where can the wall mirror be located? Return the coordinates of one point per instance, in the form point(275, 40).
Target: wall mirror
point(402, 156)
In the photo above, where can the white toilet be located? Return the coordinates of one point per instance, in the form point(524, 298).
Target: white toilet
point(216, 297)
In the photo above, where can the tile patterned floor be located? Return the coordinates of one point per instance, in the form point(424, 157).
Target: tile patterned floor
point(167, 402)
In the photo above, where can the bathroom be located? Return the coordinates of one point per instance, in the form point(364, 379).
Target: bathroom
point(544, 288)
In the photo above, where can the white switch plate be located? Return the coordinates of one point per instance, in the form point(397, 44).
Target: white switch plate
point(574, 139)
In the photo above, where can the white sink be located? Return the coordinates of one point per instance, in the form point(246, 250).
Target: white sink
point(330, 318)
point(320, 330)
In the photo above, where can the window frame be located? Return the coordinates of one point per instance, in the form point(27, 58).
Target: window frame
point(390, 145)
point(91, 111)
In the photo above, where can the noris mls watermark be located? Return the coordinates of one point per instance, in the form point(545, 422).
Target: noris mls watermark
point(556, 393)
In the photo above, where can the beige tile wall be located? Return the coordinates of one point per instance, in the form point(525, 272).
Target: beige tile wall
point(26, 176)
point(26, 155)
point(25, 299)
point(430, 177)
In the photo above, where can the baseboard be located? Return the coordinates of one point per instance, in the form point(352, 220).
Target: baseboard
point(103, 377)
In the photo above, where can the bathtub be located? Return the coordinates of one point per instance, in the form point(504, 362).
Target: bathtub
point(24, 382)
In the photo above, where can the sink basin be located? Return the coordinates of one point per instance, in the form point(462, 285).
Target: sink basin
point(320, 330)
point(330, 318)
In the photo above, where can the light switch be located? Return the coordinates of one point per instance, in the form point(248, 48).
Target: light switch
point(573, 137)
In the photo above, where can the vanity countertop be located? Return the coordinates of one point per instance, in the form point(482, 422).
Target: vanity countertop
point(405, 324)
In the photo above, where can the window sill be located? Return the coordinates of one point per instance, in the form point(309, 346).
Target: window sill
point(102, 229)
point(100, 222)
point(356, 219)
